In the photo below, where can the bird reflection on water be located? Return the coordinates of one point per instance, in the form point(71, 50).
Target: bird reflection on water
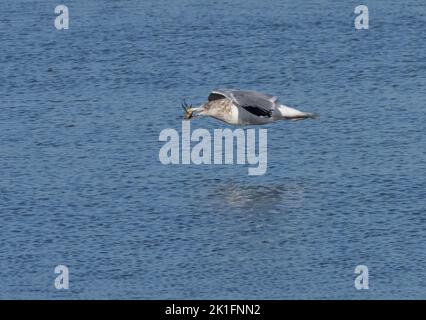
point(264, 197)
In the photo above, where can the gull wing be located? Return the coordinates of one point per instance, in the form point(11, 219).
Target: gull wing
point(259, 104)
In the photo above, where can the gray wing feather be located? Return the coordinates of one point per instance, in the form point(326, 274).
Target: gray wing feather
point(259, 104)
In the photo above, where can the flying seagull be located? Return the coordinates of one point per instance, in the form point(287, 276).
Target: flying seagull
point(241, 107)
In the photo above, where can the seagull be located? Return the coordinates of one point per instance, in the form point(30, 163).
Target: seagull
point(244, 107)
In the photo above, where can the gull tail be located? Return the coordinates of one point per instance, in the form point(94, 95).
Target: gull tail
point(294, 114)
point(306, 115)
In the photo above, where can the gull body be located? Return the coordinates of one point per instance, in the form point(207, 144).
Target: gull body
point(242, 107)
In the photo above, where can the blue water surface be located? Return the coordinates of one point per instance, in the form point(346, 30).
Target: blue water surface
point(81, 183)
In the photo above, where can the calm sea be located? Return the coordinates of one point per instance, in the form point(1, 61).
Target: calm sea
point(81, 184)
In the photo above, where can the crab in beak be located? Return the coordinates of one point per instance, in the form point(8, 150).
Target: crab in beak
point(188, 110)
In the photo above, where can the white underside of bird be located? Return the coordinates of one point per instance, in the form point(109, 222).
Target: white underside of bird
point(239, 107)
